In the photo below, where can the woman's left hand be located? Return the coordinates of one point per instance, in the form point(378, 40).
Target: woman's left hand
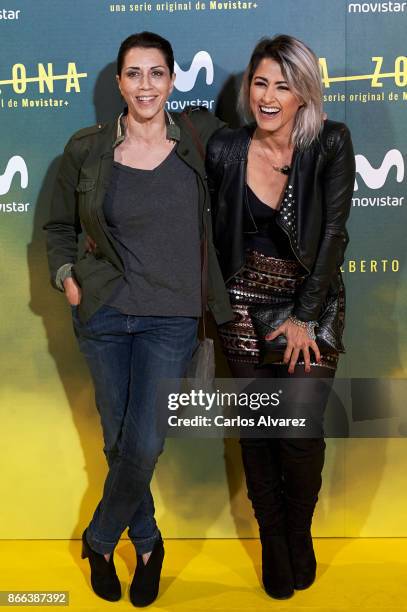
point(297, 340)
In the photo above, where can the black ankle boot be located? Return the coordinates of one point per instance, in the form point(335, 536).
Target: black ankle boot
point(146, 579)
point(103, 577)
point(278, 578)
point(303, 559)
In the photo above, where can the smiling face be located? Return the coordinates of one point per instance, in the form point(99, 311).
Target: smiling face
point(145, 82)
point(272, 104)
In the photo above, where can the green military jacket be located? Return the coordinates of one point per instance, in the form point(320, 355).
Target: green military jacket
point(77, 203)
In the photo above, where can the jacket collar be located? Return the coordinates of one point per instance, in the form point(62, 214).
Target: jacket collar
point(173, 130)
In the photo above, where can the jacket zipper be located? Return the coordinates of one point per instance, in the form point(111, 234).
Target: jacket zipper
point(96, 213)
point(292, 248)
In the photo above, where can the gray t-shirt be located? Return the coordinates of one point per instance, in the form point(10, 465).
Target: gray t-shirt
point(153, 217)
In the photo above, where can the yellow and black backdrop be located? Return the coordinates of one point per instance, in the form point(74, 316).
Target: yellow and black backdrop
point(57, 75)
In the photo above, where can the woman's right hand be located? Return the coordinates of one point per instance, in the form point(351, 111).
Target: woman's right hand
point(73, 292)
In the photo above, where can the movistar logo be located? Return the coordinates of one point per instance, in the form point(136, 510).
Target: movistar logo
point(377, 7)
point(16, 165)
point(186, 79)
point(375, 178)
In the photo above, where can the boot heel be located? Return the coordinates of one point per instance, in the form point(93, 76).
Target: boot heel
point(85, 549)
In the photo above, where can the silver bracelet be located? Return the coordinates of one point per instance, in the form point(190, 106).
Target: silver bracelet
point(308, 325)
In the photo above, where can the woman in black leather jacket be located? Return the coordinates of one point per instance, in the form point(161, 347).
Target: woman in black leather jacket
point(282, 189)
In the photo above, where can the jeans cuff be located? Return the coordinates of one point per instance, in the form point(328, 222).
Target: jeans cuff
point(100, 546)
point(145, 545)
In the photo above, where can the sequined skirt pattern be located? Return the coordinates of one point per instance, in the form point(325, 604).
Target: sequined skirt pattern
point(262, 280)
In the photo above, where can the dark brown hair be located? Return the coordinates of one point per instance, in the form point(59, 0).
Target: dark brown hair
point(146, 40)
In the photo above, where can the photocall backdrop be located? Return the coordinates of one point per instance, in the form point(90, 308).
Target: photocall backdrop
point(57, 74)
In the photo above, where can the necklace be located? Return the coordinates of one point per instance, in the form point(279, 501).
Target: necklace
point(283, 169)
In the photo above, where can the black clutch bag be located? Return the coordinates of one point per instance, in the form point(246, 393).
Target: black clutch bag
point(267, 317)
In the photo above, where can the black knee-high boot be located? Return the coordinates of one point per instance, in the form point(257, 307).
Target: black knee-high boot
point(302, 461)
point(264, 487)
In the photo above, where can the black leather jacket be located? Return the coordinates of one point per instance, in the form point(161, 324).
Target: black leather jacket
point(322, 179)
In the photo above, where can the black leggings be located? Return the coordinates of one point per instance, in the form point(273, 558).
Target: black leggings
point(283, 475)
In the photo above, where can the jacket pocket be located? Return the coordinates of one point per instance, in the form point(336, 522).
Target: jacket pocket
point(94, 274)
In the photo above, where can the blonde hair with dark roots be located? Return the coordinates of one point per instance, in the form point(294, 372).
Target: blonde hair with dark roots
point(300, 68)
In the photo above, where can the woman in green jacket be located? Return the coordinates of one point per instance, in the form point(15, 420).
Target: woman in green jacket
point(138, 188)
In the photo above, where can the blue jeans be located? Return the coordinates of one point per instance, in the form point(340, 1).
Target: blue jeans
point(127, 356)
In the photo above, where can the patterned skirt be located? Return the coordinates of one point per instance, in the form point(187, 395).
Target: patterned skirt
point(262, 280)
